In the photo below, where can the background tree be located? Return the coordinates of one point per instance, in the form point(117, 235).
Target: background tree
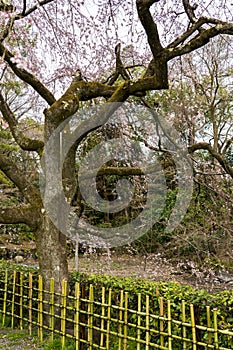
point(199, 103)
point(73, 35)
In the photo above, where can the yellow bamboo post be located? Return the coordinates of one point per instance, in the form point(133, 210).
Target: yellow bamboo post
point(208, 318)
point(90, 317)
point(184, 333)
point(63, 312)
point(102, 317)
point(193, 327)
point(52, 307)
point(17, 299)
point(126, 321)
point(139, 321)
point(40, 308)
point(5, 298)
point(76, 324)
point(121, 304)
point(30, 282)
point(169, 325)
point(108, 320)
point(83, 317)
point(21, 301)
point(147, 322)
point(216, 345)
point(13, 300)
point(161, 322)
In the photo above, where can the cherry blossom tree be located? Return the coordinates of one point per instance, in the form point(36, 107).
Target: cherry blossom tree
point(69, 52)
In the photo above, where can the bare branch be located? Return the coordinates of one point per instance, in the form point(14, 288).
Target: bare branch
point(26, 76)
point(33, 8)
point(24, 7)
point(18, 177)
point(196, 26)
point(220, 158)
point(227, 145)
point(190, 11)
point(23, 141)
point(149, 25)
point(201, 39)
point(120, 69)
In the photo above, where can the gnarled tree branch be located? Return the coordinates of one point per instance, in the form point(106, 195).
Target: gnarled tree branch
point(200, 40)
point(220, 158)
point(23, 214)
point(23, 141)
point(149, 25)
point(18, 177)
point(26, 76)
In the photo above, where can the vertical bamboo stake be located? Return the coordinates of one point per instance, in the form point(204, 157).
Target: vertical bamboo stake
point(21, 301)
point(216, 328)
point(108, 319)
point(30, 302)
point(120, 319)
point(208, 324)
point(139, 321)
point(82, 317)
point(40, 308)
point(184, 333)
point(147, 322)
point(193, 327)
point(102, 317)
point(5, 298)
point(169, 325)
point(17, 298)
point(125, 321)
point(52, 307)
point(90, 317)
point(161, 322)
point(63, 312)
point(76, 323)
point(13, 300)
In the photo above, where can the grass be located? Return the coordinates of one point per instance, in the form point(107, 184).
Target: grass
point(21, 339)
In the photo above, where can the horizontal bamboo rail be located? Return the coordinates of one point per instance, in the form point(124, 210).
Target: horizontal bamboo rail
point(102, 320)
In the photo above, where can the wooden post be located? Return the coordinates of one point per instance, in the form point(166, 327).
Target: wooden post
point(197, 322)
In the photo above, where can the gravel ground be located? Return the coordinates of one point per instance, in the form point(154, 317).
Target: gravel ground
point(17, 340)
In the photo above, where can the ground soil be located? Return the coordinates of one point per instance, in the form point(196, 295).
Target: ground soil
point(157, 268)
point(17, 340)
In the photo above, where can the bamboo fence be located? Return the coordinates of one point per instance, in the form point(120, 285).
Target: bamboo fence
point(96, 318)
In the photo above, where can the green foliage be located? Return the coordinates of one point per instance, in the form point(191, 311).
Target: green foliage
point(172, 291)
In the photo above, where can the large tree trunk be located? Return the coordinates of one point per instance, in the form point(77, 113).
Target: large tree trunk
point(51, 248)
